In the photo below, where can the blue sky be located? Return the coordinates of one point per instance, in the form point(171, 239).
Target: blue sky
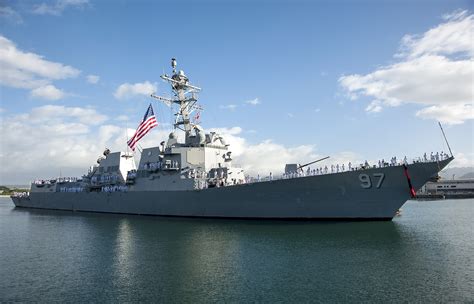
point(316, 69)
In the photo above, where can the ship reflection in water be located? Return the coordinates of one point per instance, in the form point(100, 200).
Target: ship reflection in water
point(423, 255)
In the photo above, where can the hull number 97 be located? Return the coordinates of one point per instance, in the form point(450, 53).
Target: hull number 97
point(366, 181)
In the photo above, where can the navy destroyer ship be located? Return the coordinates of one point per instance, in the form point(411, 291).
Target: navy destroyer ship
point(197, 178)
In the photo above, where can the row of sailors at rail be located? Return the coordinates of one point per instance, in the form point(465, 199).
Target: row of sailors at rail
point(104, 179)
point(109, 189)
point(21, 194)
point(436, 157)
point(66, 179)
point(197, 174)
point(44, 182)
point(58, 180)
point(341, 168)
point(318, 171)
point(203, 184)
point(71, 189)
point(159, 165)
point(393, 161)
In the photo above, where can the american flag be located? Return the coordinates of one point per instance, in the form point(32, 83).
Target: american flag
point(148, 123)
point(196, 117)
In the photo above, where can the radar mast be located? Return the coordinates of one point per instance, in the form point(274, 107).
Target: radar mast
point(185, 96)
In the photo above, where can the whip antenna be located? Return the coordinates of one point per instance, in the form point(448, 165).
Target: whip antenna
point(444, 135)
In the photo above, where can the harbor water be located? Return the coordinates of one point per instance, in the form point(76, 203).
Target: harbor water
point(424, 255)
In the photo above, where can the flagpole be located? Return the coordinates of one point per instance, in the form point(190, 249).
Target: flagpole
point(126, 136)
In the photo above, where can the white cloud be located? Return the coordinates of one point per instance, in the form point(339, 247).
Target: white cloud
point(58, 7)
point(71, 138)
point(62, 137)
point(31, 65)
point(230, 107)
point(233, 107)
point(452, 37)
point(122, 118)
point(435, 70)
point(16, 78)
point(449, 114)
point(10, 15)
point(253, 102)
point(462, 160)
point(94, 79)
point(55, 113)
point(263, 157)
point(232, 131)
point(268, 156)
point(49, 92)
point(374, 107)
point(27, 70)
point(128, 90)
point(425, 80)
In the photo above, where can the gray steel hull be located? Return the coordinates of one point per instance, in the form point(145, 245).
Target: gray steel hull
point(332, 196)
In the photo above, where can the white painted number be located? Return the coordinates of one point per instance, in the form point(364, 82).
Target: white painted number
point(366, 182)
point(380, 176)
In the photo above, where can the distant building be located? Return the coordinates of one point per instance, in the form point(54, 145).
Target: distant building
point(455, 186)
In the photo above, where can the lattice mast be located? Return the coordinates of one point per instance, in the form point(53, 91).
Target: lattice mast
point(185, 97)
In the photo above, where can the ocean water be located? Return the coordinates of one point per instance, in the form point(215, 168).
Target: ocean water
point(425, 255)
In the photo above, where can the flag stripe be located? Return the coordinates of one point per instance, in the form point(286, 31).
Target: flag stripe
point(148, 123)
point(144, 128)
point(140, 135)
